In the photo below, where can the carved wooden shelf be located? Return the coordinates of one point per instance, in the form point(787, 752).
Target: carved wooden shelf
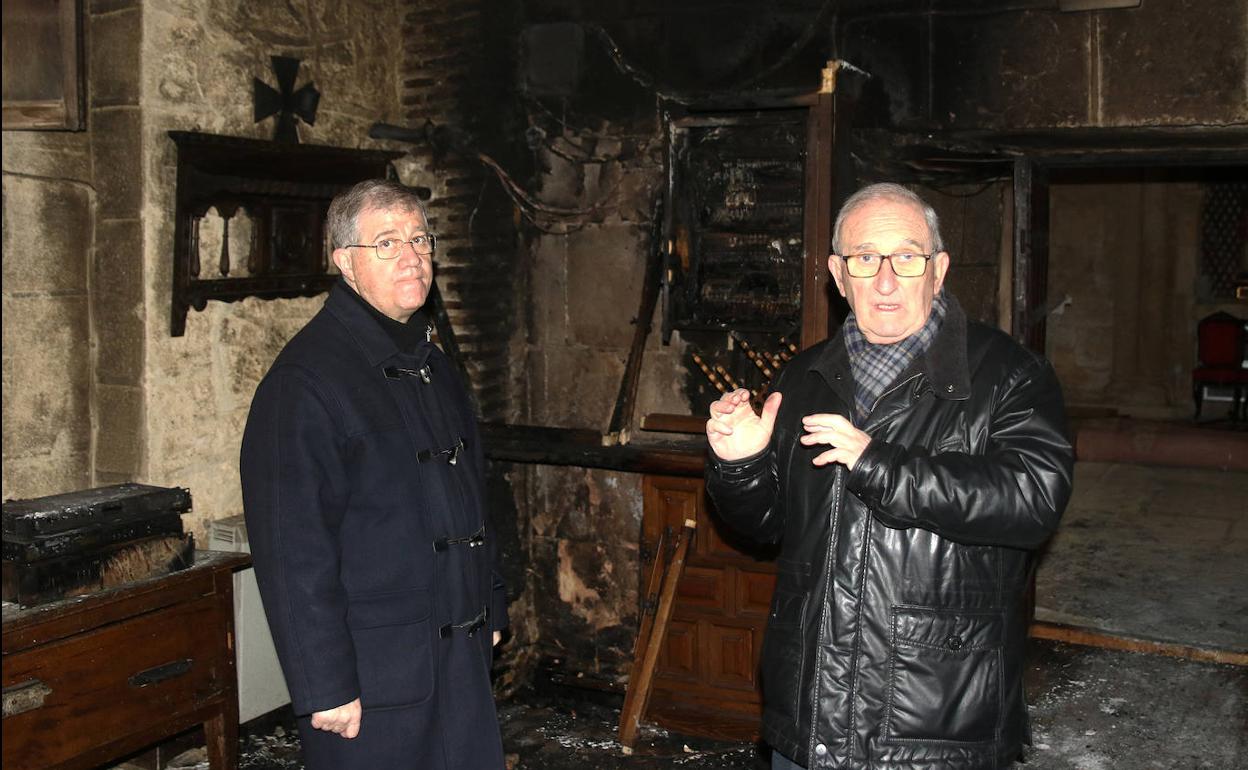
point(285, 190)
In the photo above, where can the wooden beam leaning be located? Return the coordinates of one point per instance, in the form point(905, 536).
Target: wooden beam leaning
point(626, 401)
point(651, 634)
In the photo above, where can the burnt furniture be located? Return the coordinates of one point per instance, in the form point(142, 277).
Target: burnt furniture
point(285, 190)
point(91, 679)
point(1221, 350)
point(82, 541)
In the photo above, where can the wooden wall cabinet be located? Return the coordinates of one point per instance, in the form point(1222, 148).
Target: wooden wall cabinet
point(90, 679)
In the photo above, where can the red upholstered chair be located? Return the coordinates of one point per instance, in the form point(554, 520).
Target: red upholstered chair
point(1221, 350)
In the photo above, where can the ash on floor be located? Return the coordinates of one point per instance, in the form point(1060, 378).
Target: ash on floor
point(1092, 709)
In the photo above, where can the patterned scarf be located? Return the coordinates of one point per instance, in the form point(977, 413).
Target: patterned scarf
point(875, 367)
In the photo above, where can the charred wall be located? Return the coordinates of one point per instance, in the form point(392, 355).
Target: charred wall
point(593, 83)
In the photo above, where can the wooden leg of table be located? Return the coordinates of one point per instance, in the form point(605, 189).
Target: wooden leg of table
point(221, 735)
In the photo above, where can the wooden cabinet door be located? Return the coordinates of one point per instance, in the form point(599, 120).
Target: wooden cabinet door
point(706, 682)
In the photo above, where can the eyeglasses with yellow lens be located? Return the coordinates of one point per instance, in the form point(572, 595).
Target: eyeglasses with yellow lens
point(905, 264)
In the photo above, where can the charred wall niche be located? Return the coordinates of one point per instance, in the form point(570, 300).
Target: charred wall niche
point(733, 279)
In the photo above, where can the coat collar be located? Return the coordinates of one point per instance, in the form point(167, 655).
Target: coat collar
point(373, 340)
point(944, 363)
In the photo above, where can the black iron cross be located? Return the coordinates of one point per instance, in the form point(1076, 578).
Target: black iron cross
point(286, 103)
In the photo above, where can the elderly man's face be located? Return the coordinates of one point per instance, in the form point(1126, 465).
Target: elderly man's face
point(888, 308)
point(397, 287)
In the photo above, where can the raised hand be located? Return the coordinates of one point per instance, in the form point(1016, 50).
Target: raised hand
point(847, 442)
point(735, 431)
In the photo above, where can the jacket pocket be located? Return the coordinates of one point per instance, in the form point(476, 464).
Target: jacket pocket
point(781, 662)
point(393, 659)
point(945, 675)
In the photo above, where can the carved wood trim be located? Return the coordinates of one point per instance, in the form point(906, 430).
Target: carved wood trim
point(285, 190)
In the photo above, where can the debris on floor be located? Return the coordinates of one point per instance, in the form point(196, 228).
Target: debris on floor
point(1091, 709)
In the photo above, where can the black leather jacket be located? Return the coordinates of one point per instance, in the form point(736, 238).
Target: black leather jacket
point(897, 628)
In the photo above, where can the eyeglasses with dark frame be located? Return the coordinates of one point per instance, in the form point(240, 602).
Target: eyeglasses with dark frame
point(905, 264)
point(389, 248)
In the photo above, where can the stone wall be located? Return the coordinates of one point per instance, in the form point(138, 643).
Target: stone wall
point(96, 390)
point(197, 68)
point(49, 229)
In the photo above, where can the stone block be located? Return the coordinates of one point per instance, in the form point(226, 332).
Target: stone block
point(1175, 63)
point(114, 58)
point(50, 154)
point(248, 341)
point(117, 150)
point(119, 445)
point(46, 371)
point(118, 302)
point(109, 6)
point(580, 389)
point(47, 236)
point(663, 386)
point(548, 291)
point(106, 478)
point(606, 268)
point(45, 474)
point(1004, 70)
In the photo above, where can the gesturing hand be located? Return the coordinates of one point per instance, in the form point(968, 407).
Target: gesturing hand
point(734, 431)
point(344, 720)
point(847, 442)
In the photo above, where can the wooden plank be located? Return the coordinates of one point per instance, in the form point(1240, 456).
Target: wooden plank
point(642, 677)
point(674, 423)
point(817, 234)
point(585, 449)
point(1060, 632)
point(626, 401)
point(1031, 252)
point(630, 714)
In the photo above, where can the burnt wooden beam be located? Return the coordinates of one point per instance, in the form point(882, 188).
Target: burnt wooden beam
point(585, 449)
point(1031, 252)
point(977, 155)
point(626, 401)
point(1062, 632)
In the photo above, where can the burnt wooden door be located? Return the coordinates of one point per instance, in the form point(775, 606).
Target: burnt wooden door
point(706, 682)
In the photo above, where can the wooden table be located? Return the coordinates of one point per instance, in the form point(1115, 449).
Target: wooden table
point(90, 679)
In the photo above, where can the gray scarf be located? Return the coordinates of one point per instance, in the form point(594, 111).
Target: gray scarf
point(876, 367)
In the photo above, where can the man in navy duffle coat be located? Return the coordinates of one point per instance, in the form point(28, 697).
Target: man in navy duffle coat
point(362, 486)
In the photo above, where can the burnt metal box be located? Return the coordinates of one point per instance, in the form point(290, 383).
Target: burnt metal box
point(93, 538)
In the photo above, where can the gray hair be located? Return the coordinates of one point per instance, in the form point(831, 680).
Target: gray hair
point(889, 192)
point(342, 222)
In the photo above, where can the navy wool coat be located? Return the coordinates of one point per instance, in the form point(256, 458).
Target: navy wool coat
point(362, 485)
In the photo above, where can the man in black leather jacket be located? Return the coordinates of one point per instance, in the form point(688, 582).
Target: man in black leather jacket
point(910, 467)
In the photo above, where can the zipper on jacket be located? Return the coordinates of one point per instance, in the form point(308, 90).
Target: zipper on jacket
point(837, 496)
